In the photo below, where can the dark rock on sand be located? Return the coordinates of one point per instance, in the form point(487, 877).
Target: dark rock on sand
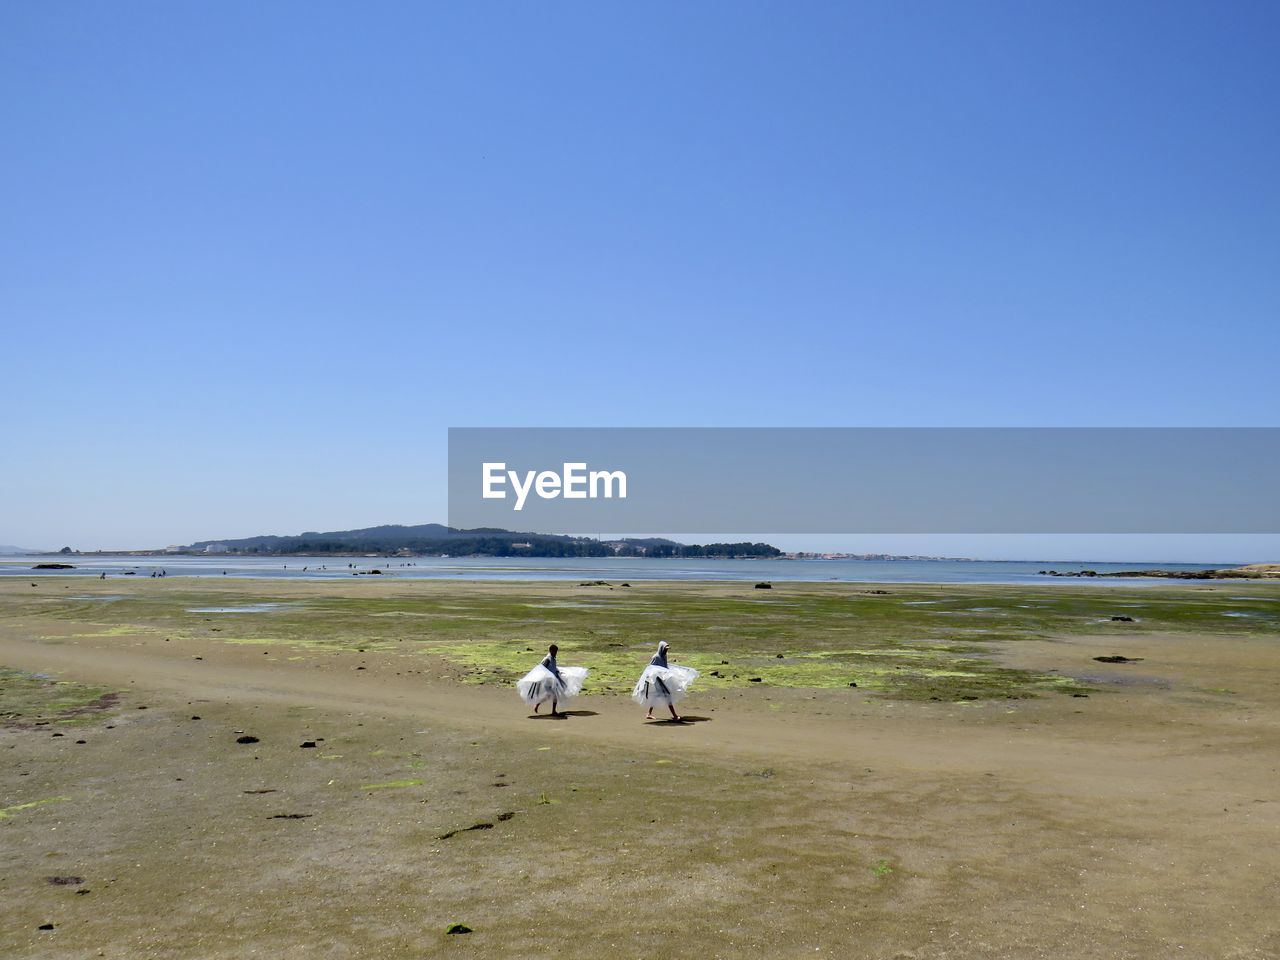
point(1251, 571)
point(54, 566)
point(246, 739)
point(1118, 659)
point(45, 926)
point(457, 928)
point(764, 586)
point(307, 744)
point(1122, 619)
point(289, 816)
point(65, 881)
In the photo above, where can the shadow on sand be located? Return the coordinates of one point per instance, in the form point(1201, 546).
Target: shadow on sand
point(563, 715)
point(682, 722)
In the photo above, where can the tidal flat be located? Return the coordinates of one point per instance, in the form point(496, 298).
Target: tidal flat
point(907, 771)
point(913, 642)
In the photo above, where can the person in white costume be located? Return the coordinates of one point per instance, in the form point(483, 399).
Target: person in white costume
point(547, 681)
point(662, 683)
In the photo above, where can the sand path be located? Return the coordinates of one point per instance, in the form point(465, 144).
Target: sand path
point(1042, 749)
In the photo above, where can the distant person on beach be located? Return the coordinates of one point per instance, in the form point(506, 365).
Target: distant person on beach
point(547, 681)
point(662, 684)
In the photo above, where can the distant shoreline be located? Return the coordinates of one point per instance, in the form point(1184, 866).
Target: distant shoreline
point(1141, 568)
point(594, 569)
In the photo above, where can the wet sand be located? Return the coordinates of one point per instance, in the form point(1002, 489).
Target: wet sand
point(1139, 821)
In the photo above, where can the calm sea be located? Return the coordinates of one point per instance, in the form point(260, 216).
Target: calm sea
point(534, 568)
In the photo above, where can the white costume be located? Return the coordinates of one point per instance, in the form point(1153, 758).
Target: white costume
point(546, 682)
point(662, 684)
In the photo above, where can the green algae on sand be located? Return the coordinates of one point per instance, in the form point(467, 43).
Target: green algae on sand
point(391, 785)
point(934, 672)
point(31, 699)
point(6, 812)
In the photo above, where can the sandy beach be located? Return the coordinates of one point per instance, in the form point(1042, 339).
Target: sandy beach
point(988, 789)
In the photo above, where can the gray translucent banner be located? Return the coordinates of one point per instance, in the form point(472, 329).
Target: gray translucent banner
point(866, 480)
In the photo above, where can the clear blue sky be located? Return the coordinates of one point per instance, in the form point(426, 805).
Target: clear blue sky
point(256, 258)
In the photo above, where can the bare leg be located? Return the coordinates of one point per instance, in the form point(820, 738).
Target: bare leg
point(665, 694)
point(536, 706)
point(553, 707)
point(649, 715)
point(672, 708)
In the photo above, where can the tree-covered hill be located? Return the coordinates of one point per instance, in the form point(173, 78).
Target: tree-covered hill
point(433, 539)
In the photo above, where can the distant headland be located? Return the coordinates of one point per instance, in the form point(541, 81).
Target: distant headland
point(1250, 571)
point(437, 540)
